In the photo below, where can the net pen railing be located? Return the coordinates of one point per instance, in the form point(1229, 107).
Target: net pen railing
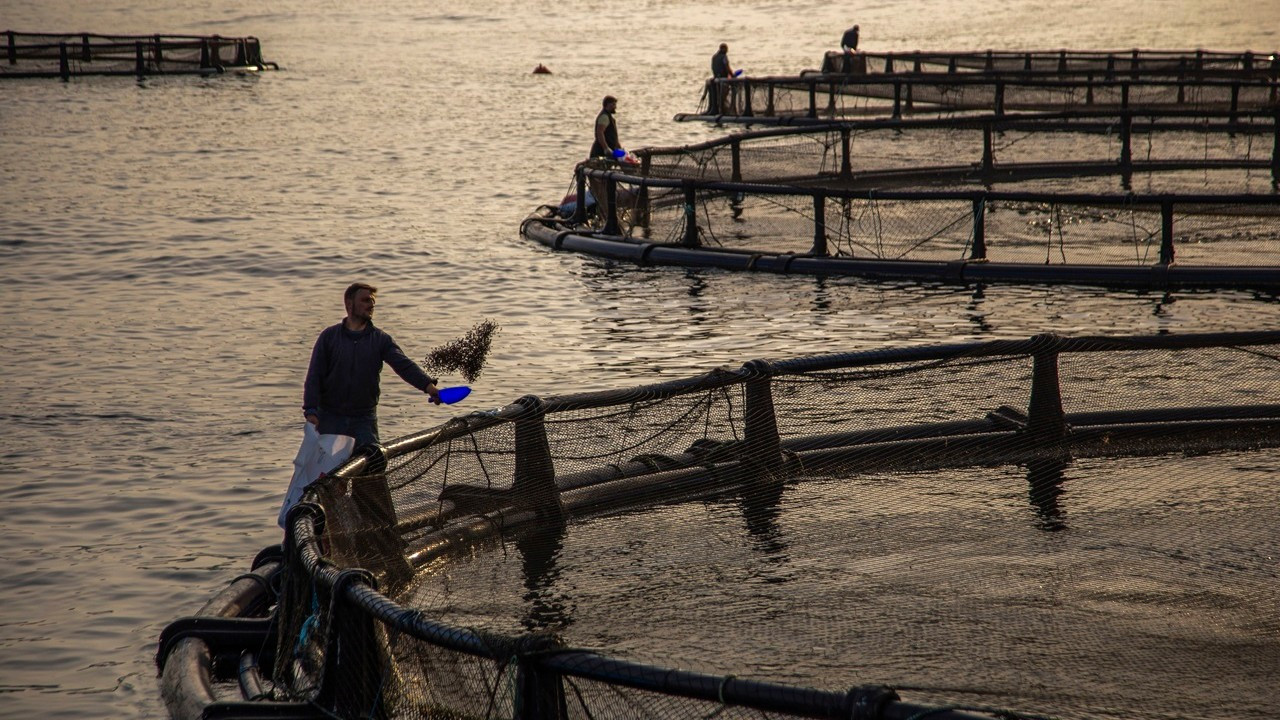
point(830, 96)
point(389, 610)
point(1109, 64)
point(1098, 199)
point(71, 54)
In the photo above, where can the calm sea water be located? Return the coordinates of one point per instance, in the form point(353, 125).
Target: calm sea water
point(169, 249)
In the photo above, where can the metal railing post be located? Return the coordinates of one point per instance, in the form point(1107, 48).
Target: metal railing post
point(690, 214)
point(819, 225)
point(979, 251)
point(735, 152)
point(534, 481)
point(764, 446)
point(610, 206)
point(988, 152)
point(846, 162)
point(580, 209)
point(1166, 232)
point(1046, 422)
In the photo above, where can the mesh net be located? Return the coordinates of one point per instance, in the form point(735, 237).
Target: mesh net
point(1067, 527)
point(1086, 191)
point(65, 54)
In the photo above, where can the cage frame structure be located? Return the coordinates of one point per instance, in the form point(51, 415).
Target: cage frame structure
point(67, 55)
point(241, 629)
point(897, 84)
point(604, 233)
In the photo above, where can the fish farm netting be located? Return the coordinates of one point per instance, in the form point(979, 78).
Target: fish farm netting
point(1067, 527)
point(67, 54)
point(1129, 191)
point(897, 84)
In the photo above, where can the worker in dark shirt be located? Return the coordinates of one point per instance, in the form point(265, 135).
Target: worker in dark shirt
point(721, 71)
point(340, 396)
point(849, 42)
point(606, 129)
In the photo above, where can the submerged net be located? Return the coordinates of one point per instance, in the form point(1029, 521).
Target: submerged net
point(1053, 527)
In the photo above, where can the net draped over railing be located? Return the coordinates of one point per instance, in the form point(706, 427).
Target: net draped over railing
point(67, 54)
point(1074, 527)
point(1091, 198)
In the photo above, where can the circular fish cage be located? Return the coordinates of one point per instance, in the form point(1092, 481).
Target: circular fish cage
point(1067, 527)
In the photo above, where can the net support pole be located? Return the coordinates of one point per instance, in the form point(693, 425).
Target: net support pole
point(819, 225)
point(642, 210)
point(1275, 147)
point(988, 153)
point(534, 484)
point(539, 689)
point(139, 59)
point(813, 99)
point(158, 46)
point(735, 152)
point(846, 162)
point(690, 214)
point(355, 675)
point(13, 48)
point(764, 446)
point(979, 251)
point(610, 206)
point(580, 209)
point(1046, 422)
point(1166, 231)
point(86, 52)
point(64, 65)
point(897, 99)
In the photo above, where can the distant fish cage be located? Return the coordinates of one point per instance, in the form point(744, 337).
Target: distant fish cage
point(1137, 199)
point(853, 85)
point(1074, 527)
point(64, 55)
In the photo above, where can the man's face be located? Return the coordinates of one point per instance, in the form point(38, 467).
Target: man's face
point(361, 305)
point(610, 107)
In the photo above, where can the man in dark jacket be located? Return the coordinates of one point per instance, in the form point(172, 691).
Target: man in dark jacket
point(340, 396)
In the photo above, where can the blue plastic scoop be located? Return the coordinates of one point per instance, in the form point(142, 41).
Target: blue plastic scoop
point(451, 395)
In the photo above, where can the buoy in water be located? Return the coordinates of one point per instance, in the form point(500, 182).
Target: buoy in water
point(541, 70)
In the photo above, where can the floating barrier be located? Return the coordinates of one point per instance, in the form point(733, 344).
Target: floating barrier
point(960, 531)
point(64, 55)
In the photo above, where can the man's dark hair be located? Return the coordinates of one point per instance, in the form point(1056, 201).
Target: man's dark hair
point(355, 288)
point(608, 99)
